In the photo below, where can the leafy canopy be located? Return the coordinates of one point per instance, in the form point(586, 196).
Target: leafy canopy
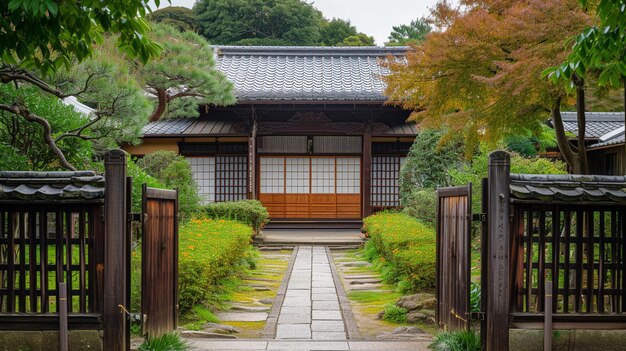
point(409, 34)
point(601, 47)
point(179, 17)
point(338, 32)
point(258, 22)
point(490, 56)
point(46, 35)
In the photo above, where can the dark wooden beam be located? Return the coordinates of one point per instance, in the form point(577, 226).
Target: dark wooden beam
point(115, 255)
point(498, 290)
point(367, 171)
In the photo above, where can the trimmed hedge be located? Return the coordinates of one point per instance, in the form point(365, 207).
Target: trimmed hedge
point(209, 251)
point(250, 212)
point(403, 248)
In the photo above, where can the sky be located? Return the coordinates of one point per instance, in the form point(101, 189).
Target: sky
point(372, 17)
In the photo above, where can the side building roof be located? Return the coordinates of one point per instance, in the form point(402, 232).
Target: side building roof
point(597, 123)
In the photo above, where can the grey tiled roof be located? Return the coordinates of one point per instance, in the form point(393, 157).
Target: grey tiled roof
point(568, 188)
point(167, 126)
point(306, 73)
point(619, 139)
point(598, 123)
point(82, 185)
point(195, 126)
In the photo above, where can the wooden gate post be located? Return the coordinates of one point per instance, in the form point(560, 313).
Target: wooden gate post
point(498, 296)
point(115, 254)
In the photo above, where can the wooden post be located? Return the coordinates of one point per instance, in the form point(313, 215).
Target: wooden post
point(115, 255)
point(498, 290)
point(252, 163)
point(547, 326)
point(484, 250)
point(63, 339)
point(367, 171)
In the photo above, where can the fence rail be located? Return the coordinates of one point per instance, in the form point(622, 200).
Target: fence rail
point(42, 246)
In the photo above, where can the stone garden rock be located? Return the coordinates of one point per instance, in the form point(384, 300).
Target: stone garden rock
point(416, 301)
point(418, 317)
point(219, 328)
point(249, 308)
point(204, 334)
point(266, 301)
point(407, 330)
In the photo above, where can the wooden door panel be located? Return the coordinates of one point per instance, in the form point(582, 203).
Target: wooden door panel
point(275, 204)
point(320, 204)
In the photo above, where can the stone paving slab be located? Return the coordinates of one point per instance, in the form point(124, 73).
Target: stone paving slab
point(293, 331)
point(327, 315)
point(307, 345)
point(327, 326)
point(242, 316)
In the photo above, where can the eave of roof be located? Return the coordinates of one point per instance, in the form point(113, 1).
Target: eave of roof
point(568, 188)
point(51, 186)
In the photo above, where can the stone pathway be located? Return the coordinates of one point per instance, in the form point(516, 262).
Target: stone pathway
point(311, 308)
point(311, 313)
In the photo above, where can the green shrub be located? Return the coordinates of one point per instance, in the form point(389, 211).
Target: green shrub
point(167, 342)
point(395, 314)
point(403, 248)
point(210, 250)
point(474, 297)
point(250, 212)
point(456, 341)
point(421, 203)
point(174, 171)
point(428, 162)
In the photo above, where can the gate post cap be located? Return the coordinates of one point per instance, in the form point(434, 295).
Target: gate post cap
point(115, 155)
point(500, 157)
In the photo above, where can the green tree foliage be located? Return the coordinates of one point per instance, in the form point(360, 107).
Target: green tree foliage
point(181, 18)
point(45, 35)
point(428, 161)
point(174, 172)
point(106, 84)
point(185, 70)
point(360, 39)
point(41, 37)
point(334, 32)
point(21, 141)
point(256, 22)
point(409, 34)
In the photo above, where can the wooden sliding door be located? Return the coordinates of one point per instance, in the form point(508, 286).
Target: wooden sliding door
point(311, 187)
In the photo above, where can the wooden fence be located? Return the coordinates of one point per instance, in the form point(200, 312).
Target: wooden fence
point(70, 229)
point(41, 246)
point(564, 232)
point(453, 256)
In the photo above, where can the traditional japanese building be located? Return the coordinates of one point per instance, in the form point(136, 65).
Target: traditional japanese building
point(310, 135)
point(604, 136)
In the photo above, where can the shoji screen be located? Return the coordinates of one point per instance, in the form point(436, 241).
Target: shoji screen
point(297, 172)
point(273, 175)
point(203, 171)
point(323, 175)
point(348, 175)
point(385, 181)
point(231, 173)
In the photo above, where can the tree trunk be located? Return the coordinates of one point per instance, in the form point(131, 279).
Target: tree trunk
point(161, 105)
point(582, 125)
point(570, 156)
